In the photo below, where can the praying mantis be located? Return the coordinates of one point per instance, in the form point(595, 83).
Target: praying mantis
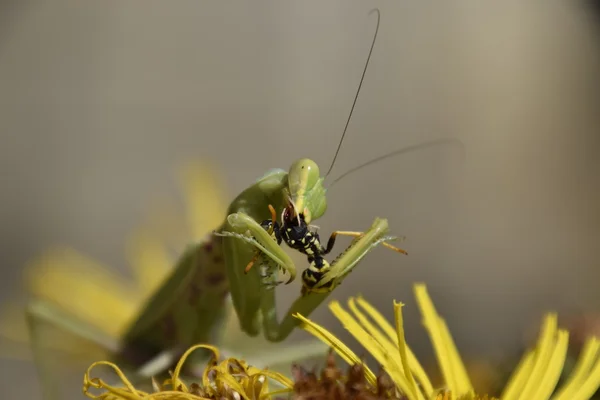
point(241, 258)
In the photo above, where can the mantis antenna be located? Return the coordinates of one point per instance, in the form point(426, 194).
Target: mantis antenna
point(357, 91)
point(403, 150)
point(445, 141)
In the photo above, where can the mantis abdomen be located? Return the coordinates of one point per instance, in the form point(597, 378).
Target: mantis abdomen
point(186, 307)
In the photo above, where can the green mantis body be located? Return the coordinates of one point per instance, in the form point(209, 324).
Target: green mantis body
point(184, 309)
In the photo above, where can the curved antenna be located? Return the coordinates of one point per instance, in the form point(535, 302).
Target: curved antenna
point(408, 149)
point(357, 92)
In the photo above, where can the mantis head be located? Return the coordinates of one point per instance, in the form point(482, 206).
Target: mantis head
point(306, 189)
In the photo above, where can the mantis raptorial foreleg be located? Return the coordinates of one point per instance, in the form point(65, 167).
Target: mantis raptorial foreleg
point(243, 227)
point(243, 235)
point(355, 234)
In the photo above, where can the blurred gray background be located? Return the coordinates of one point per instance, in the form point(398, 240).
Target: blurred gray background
point(100, 100)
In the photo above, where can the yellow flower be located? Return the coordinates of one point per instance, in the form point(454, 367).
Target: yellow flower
point(228, 379)
point(535, 378)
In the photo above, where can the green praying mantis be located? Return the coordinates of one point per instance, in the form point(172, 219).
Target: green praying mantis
point(242, 258)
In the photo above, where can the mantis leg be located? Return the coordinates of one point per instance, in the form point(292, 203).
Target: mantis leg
point(306, 303)
point(242, 237)
point(331, 241)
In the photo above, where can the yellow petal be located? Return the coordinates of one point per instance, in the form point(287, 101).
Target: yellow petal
point(205, 197)
point(543, 353)
point(340, 348)
point(590, 386)
point(185, 355)
point(417, 369)
point(450, 363)
point(518, 380)
point(389, 360)
point(402, 346)
point(149, 260)
point(588, 356)
point(130, 394)
point(460, 372)
point(554, 367)
point(81, 287)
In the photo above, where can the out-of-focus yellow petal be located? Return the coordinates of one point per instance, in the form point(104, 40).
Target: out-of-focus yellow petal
point(149, 260)
point(13, 328)
point(205, 197)
point(83, 288)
